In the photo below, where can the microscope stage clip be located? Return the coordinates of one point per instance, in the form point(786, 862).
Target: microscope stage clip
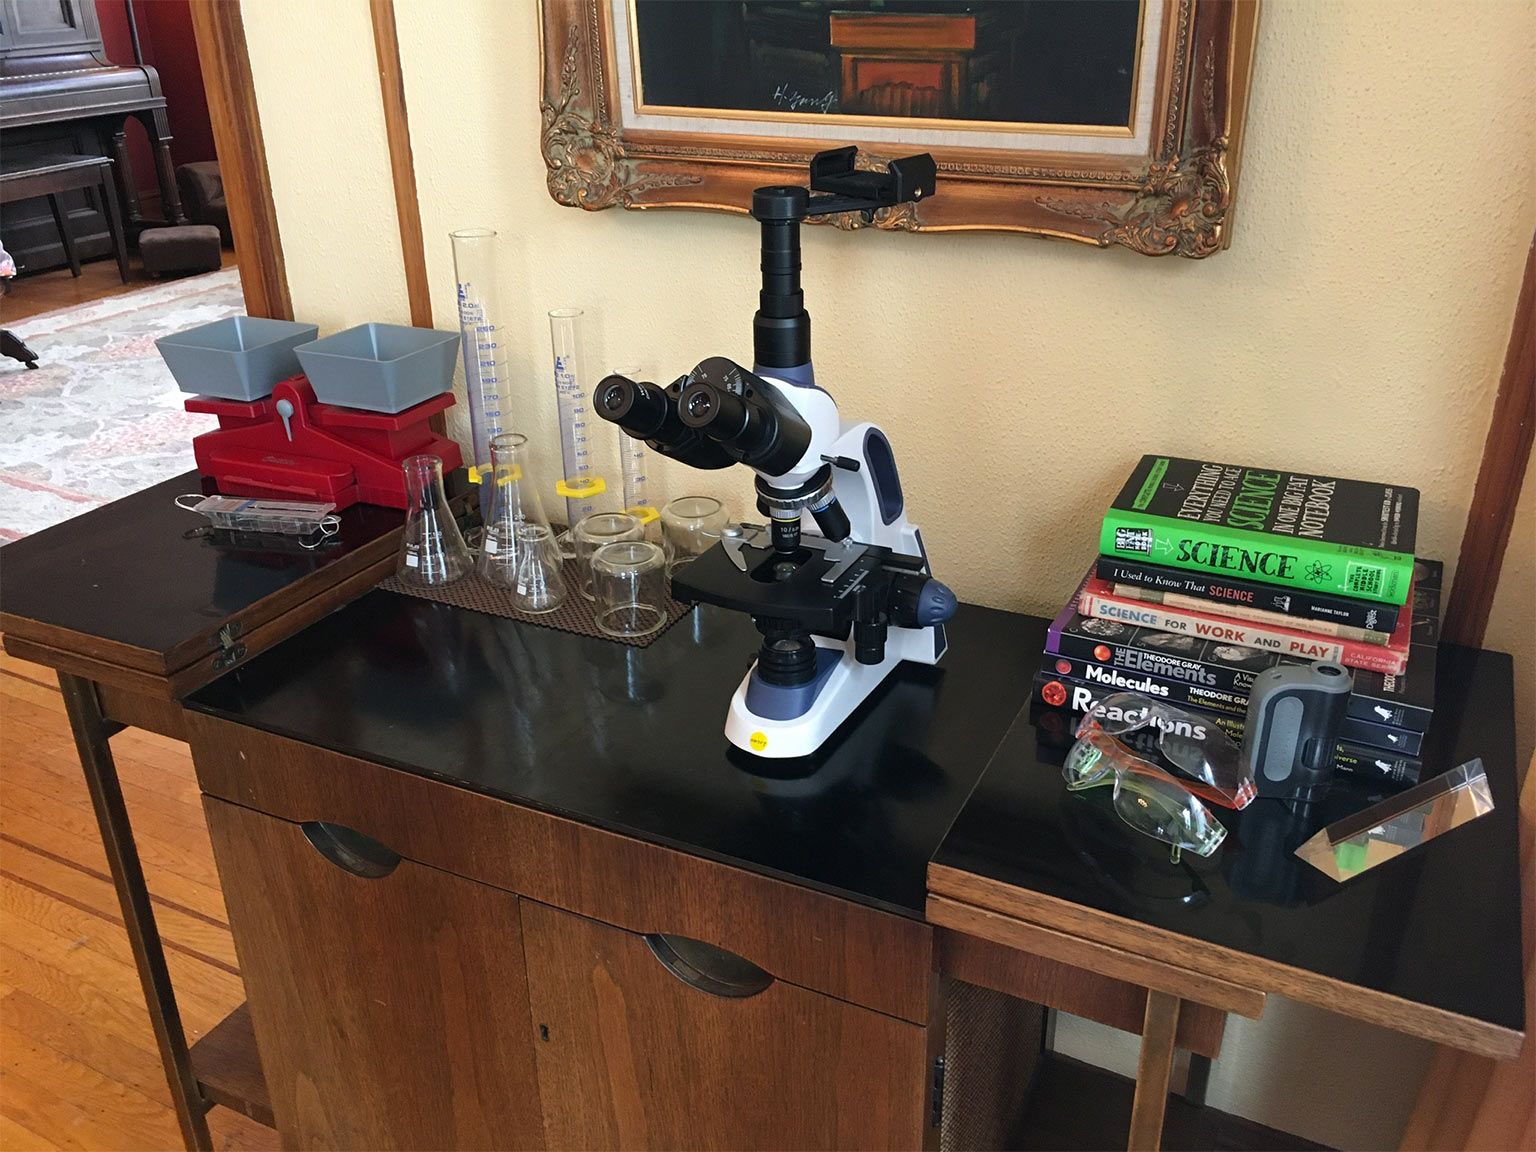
point(843, 555)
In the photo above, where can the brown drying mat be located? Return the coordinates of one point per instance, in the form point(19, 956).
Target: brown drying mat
point(573, 615)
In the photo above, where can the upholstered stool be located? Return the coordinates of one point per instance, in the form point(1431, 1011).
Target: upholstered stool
point(180, 248)
point(202, 195)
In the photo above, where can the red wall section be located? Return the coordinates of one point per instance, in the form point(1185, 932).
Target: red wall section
point(119, 48)
point(167, 25)
point(165, 35)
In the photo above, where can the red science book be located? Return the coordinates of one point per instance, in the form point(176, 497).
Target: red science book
point(1098, 599)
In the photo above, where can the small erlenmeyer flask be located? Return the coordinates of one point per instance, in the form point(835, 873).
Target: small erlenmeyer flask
point(432, 552)
point(537, 585)
point(514, 502)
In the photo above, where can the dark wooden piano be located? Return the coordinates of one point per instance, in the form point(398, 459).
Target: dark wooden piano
point(60, 93)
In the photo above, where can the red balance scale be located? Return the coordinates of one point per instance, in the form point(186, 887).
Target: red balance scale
point(289, 444)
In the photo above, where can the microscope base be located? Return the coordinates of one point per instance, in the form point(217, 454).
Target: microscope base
point(848, 686)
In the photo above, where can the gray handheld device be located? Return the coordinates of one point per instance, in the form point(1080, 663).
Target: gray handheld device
point(1294, 715)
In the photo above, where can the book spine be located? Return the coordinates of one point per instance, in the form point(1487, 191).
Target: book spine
point(1287, 561)
point(1392, 769)
point(1227, 702)
point(1374, 699)
point(1183, 693)
point(1381, 737)
point(1373, 657)
point(1130, 659)
point(1392, 713)
point(1304, 606)
point(1252, 615)
point(1373, 764)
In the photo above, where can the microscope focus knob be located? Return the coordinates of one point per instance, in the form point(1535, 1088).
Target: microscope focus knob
point(921, 601)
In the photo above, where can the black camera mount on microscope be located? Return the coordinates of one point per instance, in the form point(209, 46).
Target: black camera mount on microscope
point(781, 329)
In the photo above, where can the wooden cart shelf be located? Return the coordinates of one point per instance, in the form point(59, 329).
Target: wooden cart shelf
point(228, 1068)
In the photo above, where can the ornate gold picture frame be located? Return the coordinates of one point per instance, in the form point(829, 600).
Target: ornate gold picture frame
point(1162, 186)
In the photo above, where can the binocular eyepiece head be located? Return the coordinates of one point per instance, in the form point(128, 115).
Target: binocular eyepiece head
point(649, 412)
point(718, 414)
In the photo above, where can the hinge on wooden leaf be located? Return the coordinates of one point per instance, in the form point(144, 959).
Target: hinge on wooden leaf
point(229, 657)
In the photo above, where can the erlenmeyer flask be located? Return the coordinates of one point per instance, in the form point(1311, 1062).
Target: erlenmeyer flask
point(432, 552)
point(514, 502)
point(537, 585)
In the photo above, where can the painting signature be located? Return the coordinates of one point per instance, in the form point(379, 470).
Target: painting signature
point(796, 101)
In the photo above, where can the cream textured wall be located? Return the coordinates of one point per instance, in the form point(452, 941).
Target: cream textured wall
point(1356, 326)
point(317, 91)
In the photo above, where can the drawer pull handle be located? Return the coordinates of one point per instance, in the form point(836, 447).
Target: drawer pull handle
point(349, 850)
point(707, 968)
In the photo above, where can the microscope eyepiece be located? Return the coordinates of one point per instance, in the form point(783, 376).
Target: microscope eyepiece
point(723, 415)
point(648, 412)
point(616, 396)
point(638, 408)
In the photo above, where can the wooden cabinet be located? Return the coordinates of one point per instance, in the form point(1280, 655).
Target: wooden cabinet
point(505, 981)
point(389, 998)
point(644, 1046)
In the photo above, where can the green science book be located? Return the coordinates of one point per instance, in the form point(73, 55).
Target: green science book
point(1291, 529)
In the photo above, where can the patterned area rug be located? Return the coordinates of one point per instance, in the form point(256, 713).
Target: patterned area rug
point(100, 416)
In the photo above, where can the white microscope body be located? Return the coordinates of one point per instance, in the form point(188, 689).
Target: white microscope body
point(850, 682)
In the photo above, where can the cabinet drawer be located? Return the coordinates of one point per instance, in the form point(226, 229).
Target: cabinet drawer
point(389, 999)
point(641, 1046)
point(809, 938)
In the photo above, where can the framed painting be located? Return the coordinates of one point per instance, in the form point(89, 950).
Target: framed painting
point(1110, 122)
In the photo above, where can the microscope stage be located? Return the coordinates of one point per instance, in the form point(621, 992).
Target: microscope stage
point(792, 586)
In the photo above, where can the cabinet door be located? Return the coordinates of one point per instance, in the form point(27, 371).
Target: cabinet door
point(646, 1046)
point(389, 999)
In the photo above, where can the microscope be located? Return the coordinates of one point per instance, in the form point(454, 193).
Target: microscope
point(838, 581)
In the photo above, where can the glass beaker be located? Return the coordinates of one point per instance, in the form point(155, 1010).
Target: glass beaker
point(596, 530)
point(537, 585)
point(484, 348)
point(515, 502)
point(690, 526)
point(580, 482)
point(630, 588)
point(432, 552)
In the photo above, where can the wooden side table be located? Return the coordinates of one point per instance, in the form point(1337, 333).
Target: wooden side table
point(134, 608)
point(1428, 945)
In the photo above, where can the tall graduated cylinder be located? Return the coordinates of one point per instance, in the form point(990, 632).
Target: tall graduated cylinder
point(632, 464)
point(580, 482)
point(484, 348)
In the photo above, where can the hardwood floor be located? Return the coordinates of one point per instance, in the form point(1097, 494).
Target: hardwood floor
point(28, 296)
point(78, 1064)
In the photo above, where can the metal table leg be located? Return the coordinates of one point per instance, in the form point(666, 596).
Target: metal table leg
point(1197, 1079)
point(92, 731)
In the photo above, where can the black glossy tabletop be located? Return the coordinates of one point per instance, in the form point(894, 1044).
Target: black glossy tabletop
point(632, 739)
point(1439, 926)
point(128, 573)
